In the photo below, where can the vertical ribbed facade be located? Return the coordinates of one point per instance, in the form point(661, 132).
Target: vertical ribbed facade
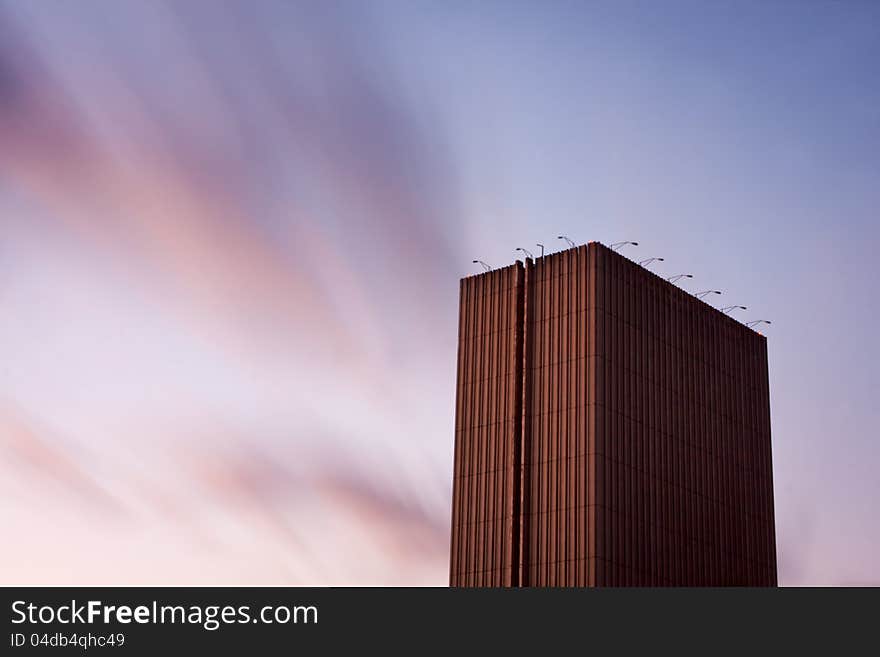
point(486, 487)
point(611, 430)
point(558, 455)
point(683, 470)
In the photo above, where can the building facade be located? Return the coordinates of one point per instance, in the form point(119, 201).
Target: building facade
point(611, 429)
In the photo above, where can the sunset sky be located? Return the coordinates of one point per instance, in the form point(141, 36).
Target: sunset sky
point(231, 236)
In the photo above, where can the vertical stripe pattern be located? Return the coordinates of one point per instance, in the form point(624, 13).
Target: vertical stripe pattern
point(611, 430)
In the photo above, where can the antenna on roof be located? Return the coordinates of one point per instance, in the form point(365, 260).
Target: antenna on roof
point(563, 237)
point(617, 245)
point(648, 261)
point(724, 310)
point(700, 295)
point(528, 253)
point(480, 262)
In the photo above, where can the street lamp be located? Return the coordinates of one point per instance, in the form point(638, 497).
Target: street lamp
point(617, 245)
point(648, 261)
point(700, 295)
point(673, 279)
point(724, 310)
point(480, 262)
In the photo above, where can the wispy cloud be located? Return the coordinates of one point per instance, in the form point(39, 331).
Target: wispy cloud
point(260, 240)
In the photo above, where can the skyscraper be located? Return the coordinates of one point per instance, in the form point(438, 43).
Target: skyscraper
point(610, 430)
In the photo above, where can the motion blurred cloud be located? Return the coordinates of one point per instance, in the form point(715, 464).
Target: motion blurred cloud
point(238, 265)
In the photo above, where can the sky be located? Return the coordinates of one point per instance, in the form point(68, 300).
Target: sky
point(231, 236)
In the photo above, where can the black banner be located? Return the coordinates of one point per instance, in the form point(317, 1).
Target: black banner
point(194, 620)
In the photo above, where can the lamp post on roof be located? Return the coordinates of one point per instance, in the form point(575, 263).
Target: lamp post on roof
point(618, 245)
point(758, 321)
point(648, 261)
point(528, 253)
point(485, 266)
point(700, 295)
point(678, 277)
point(729, 308)
point(568, 241)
